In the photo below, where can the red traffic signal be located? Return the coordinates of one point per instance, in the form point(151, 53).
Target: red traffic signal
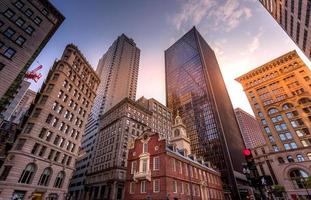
point(247, 152)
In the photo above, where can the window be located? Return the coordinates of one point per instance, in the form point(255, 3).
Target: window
point(275, 148)
point(49, 119)
point(1, 64)
point(19, 4)
point(28, 127)
point(287, 146)
point(132, 187)
point(20, 144)
point(144, 166)
point(293, 145)
point(272, 111)
point(260, 114)
point(59, 179)
point(290, 159)
point(9, 32)
point(143, 187)
point(27, 174)
point(133, 168)
point(156, 163)
point(45, 177)
point(5, 172)
point(300, 158)
point(37, 20)
point(45, 12)
point(304, 143)
point(145, 147)
point(281, 160)
point(287, 106)
point(20, 40)
point(9, 52)
point(156, 185)
point(20, 22)
point(28, 12)
point(42, 151)
point(35, 148)
point(175, 186)
point(298, 178)
point(51, 154)
point(49, 88)
point(9, 13)
point(309, 155)
point(36, 112)
point(29, 30)
point(267, 129)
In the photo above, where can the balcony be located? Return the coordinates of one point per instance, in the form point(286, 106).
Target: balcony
point(142, 175)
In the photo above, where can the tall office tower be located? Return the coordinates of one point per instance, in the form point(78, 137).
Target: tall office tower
point(42, 160)
point(118, 127)
point(21, 109)
point(118, 71)
point(195, 88)
point(10, 108)
point(279, 93)
point(294, 17)
point(250, 129)
point(26, 27)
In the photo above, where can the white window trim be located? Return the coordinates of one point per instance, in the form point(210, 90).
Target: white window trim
point(154, 181)
point(141, 186)
point(154, 163)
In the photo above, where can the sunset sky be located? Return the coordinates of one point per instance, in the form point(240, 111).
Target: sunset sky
point(241, 32)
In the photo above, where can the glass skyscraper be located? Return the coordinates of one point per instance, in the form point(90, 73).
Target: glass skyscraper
point(195, 88)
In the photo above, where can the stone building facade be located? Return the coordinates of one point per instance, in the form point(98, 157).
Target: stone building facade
point(126, 120)
point(158, 169)
point(279, 93)
point(42, 159)
point(27, 26)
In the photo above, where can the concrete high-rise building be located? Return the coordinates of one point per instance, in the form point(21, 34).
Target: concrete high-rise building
point(280, 95)
point(250, 129)
point(195, 88)
point(294, 17)
point(19, 105)
point(26, 27)
point(118, 71)
point(42, 159)
point(121, 124)
point(21, 109)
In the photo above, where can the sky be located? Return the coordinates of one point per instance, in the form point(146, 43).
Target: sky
point(241, 32)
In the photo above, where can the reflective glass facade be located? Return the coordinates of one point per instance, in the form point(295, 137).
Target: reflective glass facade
point(195, 87)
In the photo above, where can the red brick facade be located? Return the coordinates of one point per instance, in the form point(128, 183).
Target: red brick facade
point(167, 174)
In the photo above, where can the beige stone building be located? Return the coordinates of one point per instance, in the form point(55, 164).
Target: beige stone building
point(294, 18)
point(42, 160)
point(280, 95)
point(118, 126)
point(26, 27)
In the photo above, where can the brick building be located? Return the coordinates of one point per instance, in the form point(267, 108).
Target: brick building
point(161, 170)
point(126, 120)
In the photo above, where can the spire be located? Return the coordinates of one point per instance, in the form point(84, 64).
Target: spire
point(178, 120)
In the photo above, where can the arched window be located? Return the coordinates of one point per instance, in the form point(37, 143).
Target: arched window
point(45, 177)
point(304, 100)
point(176, 133)
point(281, 160)
point(28, 174)
point(287, 106)
point(59, 179)
point(298, 178)
point(309, 155)
point(290, 159)
point(300, 158)
point(260, 114)
point(272, 111)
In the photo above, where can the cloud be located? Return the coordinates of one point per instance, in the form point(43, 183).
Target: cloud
point(192, 12)
point(218, 15)
point(254, 45)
